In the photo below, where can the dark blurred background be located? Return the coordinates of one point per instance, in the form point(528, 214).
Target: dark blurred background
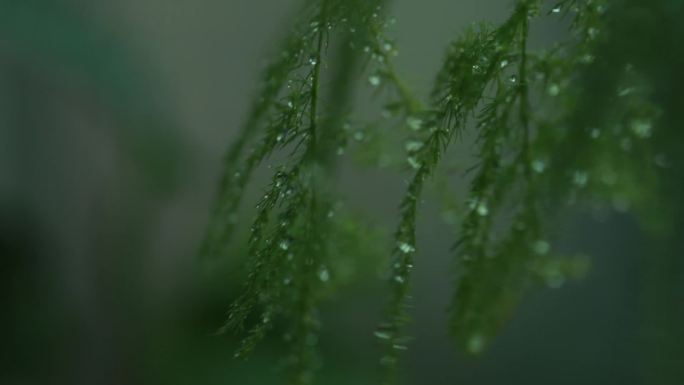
point(114, 116)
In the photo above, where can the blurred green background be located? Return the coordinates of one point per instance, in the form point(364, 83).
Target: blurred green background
point(114, 116)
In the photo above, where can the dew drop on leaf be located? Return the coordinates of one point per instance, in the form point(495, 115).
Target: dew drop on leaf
point(413, 145)
point(553, 89)
point(595, 133)
point(414, 123)
point(538, 166)
point(580, 178)
point(413, 162)
point(475, 344)
point(406, 248)
point(374, 80)
point(541, 247)
point(641, 128)
point(324, 275)
point(383, 335)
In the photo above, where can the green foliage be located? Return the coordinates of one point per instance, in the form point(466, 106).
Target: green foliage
point(570, 123)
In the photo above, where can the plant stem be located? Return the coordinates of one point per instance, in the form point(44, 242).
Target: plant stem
point(525, 101)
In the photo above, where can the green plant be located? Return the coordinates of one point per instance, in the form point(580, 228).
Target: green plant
point(580, 121)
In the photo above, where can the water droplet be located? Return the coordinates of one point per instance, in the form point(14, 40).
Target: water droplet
point(476, 343)
point(622, 92)
point(592, 32)
point(642, 128)
point(406, 248)
point(399, 279)
point(538, 166)
point(580, 178)
point(358, 136)
point(383, 335)
point(324, 275)
point(513, 79)
point(504, 63)
point(553, 89)
point(289, 104)
point(313, 61)
point(413, 145)
point(480, 207)
point(414, 123)
point(284, 244)
point(541, 247)
point(387, 47)
point(413, 162)
point(374, 80)
point(556, 9)
point(595, 133)
point(280, 137)
point(482, 210)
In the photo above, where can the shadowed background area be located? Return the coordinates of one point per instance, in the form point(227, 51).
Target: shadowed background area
point(114, 116)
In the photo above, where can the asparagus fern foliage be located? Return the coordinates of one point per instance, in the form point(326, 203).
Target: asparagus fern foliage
point(535, 150)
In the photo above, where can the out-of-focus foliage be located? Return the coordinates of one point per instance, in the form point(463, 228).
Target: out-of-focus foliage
point(86, 145)
point(56, 46)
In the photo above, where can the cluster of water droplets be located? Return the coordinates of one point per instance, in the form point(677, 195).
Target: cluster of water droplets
point(479, 205)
